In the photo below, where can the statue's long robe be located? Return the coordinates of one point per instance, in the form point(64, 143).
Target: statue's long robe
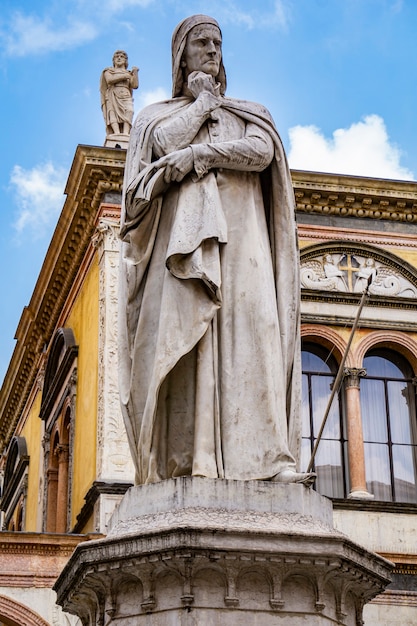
point(209, 299)
point(116, 98)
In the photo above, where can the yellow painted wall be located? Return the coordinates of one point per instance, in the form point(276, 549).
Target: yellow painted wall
point(32, 431)
point(409, 255)
point(84, 321)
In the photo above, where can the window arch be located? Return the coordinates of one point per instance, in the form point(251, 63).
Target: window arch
point(388, 406)
point(58, 412)
point(319, 371)
point(14, 484)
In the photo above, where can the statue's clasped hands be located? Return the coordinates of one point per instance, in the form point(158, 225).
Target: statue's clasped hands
point(177, 164)
point(181, 162)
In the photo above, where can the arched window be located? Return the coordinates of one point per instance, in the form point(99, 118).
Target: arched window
point(57, 410)
point(15, 484)
point(389, 426)
point(52, 485)
point(319, 372)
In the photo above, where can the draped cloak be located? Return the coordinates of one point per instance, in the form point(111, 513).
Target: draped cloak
point(180, 303)
point(116, 98)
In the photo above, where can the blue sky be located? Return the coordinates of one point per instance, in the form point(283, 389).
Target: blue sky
point(339, 77)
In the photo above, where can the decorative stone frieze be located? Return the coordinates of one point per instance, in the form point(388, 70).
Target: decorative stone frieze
point(113, 456)
point(354, 196)
point(346, 271)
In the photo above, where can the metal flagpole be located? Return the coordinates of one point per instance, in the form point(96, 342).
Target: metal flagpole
point(339, 375)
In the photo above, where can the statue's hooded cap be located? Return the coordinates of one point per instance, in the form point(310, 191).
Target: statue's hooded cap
point(179, 39)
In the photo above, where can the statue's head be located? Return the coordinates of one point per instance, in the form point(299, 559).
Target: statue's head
point(120, 58)
point(187, 53)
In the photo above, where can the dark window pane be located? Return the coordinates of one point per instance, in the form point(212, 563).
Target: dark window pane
point(305, 407)
point(378, 475)
point(385, 363)
point(374, 414)
point(305, 454)
point(329, 469)
point(399, 411)
point(321, 393)
point(319, 370)
point(404, 458)
point(312, 362)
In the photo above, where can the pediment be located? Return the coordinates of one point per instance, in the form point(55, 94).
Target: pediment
point(344, 268)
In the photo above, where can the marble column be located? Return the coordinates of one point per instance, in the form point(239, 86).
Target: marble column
point(356, 454)
point(52, 493)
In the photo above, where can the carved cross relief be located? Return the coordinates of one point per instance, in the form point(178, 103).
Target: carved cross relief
point(349, 273)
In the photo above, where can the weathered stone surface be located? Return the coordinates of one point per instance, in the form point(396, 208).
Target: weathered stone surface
point(116, 88)
point(209, 281)
point(200, 551)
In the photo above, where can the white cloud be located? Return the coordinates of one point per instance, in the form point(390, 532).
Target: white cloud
point(281, 13)
point(116, 6)
point(38, 196)
point(27, 34)
point(149, 97)
point(363, 149)
point(268, 14)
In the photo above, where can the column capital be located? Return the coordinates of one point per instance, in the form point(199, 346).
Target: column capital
point(352, 375)
point(62, 452)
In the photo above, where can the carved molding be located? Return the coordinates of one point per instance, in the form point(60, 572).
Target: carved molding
point(106, 235)
point(397, 598)
point(113, 454)
point(19, 613)
point(383, 239)
point(93, 495)
point(355, 197)
point(394, 340)
point(326, 336)
point(172, 577)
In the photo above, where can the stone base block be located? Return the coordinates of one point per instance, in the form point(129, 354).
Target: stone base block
point(117, 141)
point(195, 551)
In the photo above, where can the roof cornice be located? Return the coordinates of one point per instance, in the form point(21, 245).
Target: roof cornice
point(355, 196)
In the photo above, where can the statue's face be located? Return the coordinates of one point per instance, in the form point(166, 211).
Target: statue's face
point(119, 60)
point(203, 50)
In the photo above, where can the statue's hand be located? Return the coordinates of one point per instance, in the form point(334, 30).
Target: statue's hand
point(177, 164)
point(199, 82)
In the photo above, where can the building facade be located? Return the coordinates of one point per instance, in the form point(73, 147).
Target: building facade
point(65, 460)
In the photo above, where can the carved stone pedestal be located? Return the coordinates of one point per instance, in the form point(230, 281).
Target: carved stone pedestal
point(117, 141)
point(196, 551)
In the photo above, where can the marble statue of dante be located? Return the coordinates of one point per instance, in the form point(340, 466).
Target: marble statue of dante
point(209, 286)
point(116, 85)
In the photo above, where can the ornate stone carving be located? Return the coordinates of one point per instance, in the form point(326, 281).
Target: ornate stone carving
point(352, 376)
point(235, 559)
point(116, 89)
point(349, 272)
point(113, 456)
point(355, 197)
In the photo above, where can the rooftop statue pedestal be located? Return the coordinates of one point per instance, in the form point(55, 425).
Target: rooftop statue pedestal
point(117, 141)
point(192, 551)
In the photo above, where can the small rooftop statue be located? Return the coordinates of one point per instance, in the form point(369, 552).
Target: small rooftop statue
point(116, 89)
